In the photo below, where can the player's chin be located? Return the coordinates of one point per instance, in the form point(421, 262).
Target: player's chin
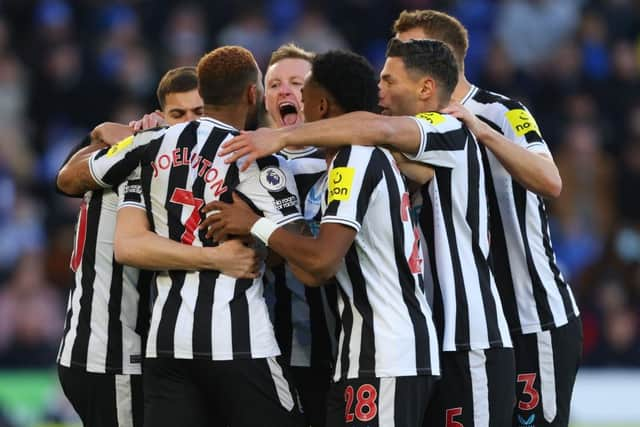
point(385, 111)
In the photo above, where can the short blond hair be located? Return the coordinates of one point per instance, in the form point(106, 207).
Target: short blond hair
point(439, 26)
point(290, 51)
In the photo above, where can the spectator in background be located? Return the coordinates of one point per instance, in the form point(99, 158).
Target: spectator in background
point(586, 210)
point(531, 29)
point(31, 316)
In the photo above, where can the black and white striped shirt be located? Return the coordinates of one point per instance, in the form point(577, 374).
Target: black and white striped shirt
point(454, 221)
point(534, 293)
point(202, 314)
point(108, 307)
point(386, 323)
point(303, 317)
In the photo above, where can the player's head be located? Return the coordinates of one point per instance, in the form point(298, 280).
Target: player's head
point(178, 95)
point(229, 78)
point(339, 82)
point(418, 76)
point(431, 24)
point(283, 82)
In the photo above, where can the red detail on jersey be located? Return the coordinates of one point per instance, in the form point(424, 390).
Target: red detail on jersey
point(405, 204)
point(348, 399)
point(415, 260)
point(450, 414)
point(185, 197)
point(366, 408)
point(81, 237)
point(529, 390)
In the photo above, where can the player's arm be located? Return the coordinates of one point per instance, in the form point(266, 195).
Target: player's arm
point(74, 177)
point(417, 172)
point(535, 171)
point(135, 244)
point(313, 260)
point(357, 128)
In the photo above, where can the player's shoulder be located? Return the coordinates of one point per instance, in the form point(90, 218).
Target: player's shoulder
point(493, 102)
point(441, 122)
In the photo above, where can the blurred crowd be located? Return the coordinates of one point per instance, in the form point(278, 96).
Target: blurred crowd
point(66, 66)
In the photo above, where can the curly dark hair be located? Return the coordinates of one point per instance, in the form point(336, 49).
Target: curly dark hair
point(428, 58)
point(224, 74)
point(349, 79)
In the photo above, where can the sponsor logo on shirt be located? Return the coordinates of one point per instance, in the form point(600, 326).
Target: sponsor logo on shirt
point(522, 122)
point(432, 117)
point(115, 149)
point(340, 182)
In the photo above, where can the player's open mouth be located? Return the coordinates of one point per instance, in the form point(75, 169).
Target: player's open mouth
point(289, 113)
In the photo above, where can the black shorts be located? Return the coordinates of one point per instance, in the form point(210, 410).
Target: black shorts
point(103, 400)
point(312, 384)
point(379, 402)
point(477, 388)
point(234, 393)
point(546, 367)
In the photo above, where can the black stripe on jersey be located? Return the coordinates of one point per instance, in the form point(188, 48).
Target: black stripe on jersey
point(346, 322)
point(539, 292)
point(145, 279)
point(320, 341)
point(202, 344)
point(563, 288)
point(449, 141)
point(367, 360)
point(130, 196)
point(498, 253)
point(427, 224)
point(169, 317)
point(272, 161)
point(443, 180)
point(81, 343)
point(114, 335)
point(283, 325)
point(67, 323)
point(473, 219)
point(239, 308)
point(405, 277)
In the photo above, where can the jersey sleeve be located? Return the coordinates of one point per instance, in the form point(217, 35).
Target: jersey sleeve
point(270, 186)
point(442, 140)
point(130, 191)
point(353, 180)
point(111, 166)
point(519, 126)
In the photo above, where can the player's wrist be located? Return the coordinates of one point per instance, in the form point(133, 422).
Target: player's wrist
point(263, 229)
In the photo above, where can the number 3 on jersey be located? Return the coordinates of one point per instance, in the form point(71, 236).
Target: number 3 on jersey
point(184, 197)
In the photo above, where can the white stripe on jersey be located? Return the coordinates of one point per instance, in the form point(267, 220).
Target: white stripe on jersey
point(547, 375)
point(204, 314)
point(386, 325)
point(103, 343)
point(124, 400)
point(454, 221)
point(479, 388)
point(535, 295)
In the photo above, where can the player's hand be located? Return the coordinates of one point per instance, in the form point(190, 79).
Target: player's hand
point(475, 125)
point(235, 259)
point(253, 145)
point(148, 121)
point(110, 133)
point(235, 218)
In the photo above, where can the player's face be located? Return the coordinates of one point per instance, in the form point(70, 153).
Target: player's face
point(312, 98)
point(398, 91)
point(182, 107)
point(416, 33)
point(283, 85)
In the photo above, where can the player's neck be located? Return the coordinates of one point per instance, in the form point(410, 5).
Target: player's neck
point(462, 88)
point(235, 116)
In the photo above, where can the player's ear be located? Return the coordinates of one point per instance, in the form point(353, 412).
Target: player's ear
point(426, 88)
point(324, 107)
point(252, 94)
